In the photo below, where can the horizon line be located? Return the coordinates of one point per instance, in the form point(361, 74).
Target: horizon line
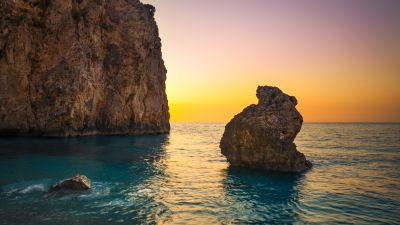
point(376, 122)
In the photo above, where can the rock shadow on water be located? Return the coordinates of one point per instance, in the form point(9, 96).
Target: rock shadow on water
point(265, 197)
point(101, 158)
point(91, 147)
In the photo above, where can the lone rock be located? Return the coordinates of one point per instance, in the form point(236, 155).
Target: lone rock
point(262, 135)
point(76, 183)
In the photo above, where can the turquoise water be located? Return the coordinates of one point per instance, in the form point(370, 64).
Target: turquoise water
point(182, 178)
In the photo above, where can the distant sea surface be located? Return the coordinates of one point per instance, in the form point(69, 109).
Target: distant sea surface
point(182, 178)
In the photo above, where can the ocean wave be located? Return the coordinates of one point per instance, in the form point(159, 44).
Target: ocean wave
point(33, 188)
point(24, 188)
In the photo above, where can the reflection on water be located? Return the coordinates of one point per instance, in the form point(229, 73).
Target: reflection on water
point(198, 186)
point(194, 173)
point(263, 197)
point(182, 178)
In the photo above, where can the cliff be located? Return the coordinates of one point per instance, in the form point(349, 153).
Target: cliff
point(262, 135)
point(80, 67)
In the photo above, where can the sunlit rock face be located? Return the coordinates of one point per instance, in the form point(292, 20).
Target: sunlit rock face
point(80, 67)
point(262, 135)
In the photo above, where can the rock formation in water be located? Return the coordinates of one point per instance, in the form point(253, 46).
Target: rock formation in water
point(262, 135)
point(76, 183)
point(80, 67)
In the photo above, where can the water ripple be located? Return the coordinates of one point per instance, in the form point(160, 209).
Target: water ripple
point(183, 179)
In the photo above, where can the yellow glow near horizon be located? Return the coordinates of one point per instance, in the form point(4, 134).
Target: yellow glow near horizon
point(341, 63)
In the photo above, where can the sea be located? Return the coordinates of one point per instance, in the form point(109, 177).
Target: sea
point(182, 178)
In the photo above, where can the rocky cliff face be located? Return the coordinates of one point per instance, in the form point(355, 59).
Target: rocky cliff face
point(262, 135)
point(80, 67)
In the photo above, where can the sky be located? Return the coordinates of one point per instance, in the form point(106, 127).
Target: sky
point(341, 59)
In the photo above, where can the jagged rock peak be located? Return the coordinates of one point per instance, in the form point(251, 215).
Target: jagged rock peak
point(269, 96)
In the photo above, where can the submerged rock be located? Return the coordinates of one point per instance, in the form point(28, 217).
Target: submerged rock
point(71, 68)
point(262, 135)
point(76, 183)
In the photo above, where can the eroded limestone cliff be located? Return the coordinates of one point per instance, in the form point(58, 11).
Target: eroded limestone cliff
point(262, 135)
point(80, 67)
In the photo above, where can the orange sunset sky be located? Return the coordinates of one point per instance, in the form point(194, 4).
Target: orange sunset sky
point(341, 59)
